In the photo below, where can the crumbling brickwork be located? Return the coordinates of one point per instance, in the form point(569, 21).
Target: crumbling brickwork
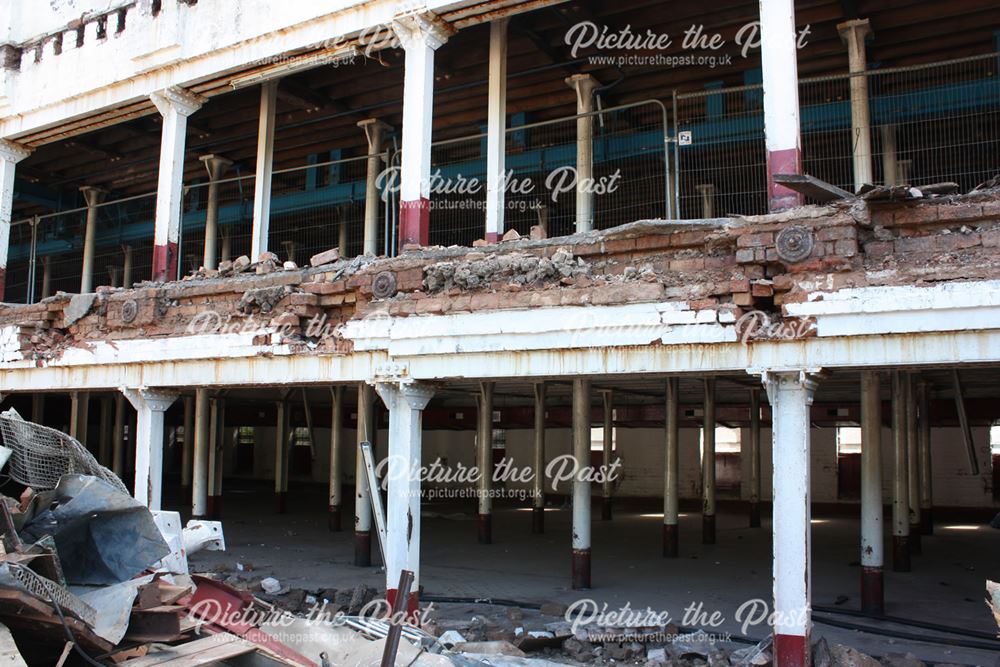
point(731, 265)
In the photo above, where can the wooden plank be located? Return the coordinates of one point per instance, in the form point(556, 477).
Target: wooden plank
point(202, 651)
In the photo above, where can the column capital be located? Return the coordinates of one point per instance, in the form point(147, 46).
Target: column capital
point(415, 395)
point(11, 151)
point(806, 378)
point(93, 195)
point(370, 126)
point(216, 165)
point(157, 400)
point(174, 97)
point(583, 84)
point(422, 29)
point(855, 29)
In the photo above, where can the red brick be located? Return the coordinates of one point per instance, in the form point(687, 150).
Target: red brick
point(960, 212)
point(761, 290)
point(836, 233)
point(739, 285)
point(915, 215)
point(687, 264)
point(754, 240)
point(991, 238)
point(879, 248)
point(743, 299)
point(783, 282)
point(619, 245)
point(654, 241)
point(744, 255)
point(846, 248)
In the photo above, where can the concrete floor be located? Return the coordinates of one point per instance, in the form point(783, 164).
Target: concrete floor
point(946, 585)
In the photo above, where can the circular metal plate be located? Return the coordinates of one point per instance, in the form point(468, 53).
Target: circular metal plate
point(384, 285)
point(794, 244)
point(129, 310)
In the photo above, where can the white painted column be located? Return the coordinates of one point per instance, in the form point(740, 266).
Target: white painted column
point(187, 446)
point(581, 487)
point(265, 158)
point(336, 469)
point(216, 165)
point(853, 33)
point(38, 408)
point(199, 475)
point(890, 165)
point(900, 483)
point(872, 559)
point(10, 154)
point(79, 415)
point(607, 432)
point(406, 401)
point(708, 465)
point(420, 35)
point(375, 131)
point(755, 458)
point(150, 404)
point(46, 278)
point(92, 196)
point(484, 462)
point(926, 467)
point(781, 99)
point(127, 267)
point(496, 121)
point(362, 493)
point(175, 105)
point(281, 431)
point(790, 395)
point(538, 480)
point(671, 472)
point(584, 86)
point(220, 461)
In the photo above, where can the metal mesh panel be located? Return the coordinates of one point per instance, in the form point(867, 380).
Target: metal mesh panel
point(41, 455)
point(929, 123)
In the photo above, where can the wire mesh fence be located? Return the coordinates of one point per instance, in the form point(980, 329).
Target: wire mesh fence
point(628, 181)
point(928, 123)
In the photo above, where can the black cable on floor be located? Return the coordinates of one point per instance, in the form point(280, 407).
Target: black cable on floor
point(925, 639)
point(906, 621)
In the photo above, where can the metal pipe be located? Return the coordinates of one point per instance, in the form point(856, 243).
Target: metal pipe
point(607, 432)
point(671, 476)
point(708, 465)
point(199, 474)
point(484, 462)
point(336, 491)
point(581, 487)
point(853, 33)
point(375, 131)
point(926, 469)
point(538, 480)
point(900, 485)
point(216, 166)
point(755, 458)
point(584, 85)
point(872, 589)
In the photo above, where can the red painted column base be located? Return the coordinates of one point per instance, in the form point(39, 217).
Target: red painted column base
point(755, 515)
point(606, 508)
point(485, 523)
point(791, 651)
point(215, 503)
point(538, 520)
point(708, 529)
point(581, 569)
point(362, 548)
point(333, 519)
point(492, 237)
point(788, 161)
point(414, 222)
point(872, 590)
point(165, 262)
point(671, 540)
point(280, 503)
point(3, 281)
point(412, 603)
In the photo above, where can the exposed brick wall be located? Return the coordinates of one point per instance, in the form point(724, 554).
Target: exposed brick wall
point(733, 265)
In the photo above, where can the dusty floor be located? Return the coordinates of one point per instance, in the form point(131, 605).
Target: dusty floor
point(946, 585)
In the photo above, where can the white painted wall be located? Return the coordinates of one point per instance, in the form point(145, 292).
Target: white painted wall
point(641, 451)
